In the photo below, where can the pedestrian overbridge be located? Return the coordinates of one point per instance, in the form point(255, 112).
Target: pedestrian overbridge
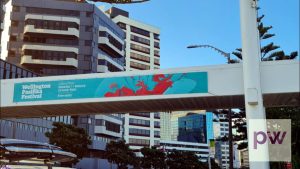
point(206, 87)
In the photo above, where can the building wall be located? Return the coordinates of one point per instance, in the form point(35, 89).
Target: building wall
point(221, 129)
point(165, 126)
point(142, 53)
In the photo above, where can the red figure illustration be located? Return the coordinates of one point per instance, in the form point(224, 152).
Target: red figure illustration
point(163, 83)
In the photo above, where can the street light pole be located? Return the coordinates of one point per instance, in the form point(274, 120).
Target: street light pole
point(251, 75)
point(230, 139)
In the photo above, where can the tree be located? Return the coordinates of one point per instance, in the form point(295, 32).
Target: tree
point(269, 50)
point(118, 152)
point(153, 158)
point(184, 160)
point(70, 138)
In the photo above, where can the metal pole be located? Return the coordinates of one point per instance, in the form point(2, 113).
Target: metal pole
point(251, 71)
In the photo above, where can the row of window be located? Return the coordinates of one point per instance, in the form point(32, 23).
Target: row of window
point(50, 55)
point(139, 122)
point(140, 40)
point(53, 25)
point(140, 57)
point(51, 40)
point(140, 48)
point(140, 114)
point(10, 71)
point(139, 132)
point(24, 126)
point(139, 142)
point(48, 11)
point(139, 66)
point(140, 31)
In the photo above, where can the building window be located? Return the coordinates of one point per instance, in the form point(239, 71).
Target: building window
point(122, 25)
point(52, 25)
point(99, 122)
point(110, 126)
point(157, 115)
point(156, 62)
point(58, 12)
point(156, 36)
point(39, 38)
point(156, 44)
point(156, 124)
point(139, 122)
point(139, 132)
point(156, 53)
point(140, 31)
point(139, 66)
point(157, 134)
point(140, 57)
point(140, 114)
point(139, 142)
point(140, 40)
point(50, 55)
point(140, 48)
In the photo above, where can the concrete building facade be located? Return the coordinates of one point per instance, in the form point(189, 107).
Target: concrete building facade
point(142, 53)
point(221, 129)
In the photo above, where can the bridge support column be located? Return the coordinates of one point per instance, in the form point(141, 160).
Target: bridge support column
point(252, 78)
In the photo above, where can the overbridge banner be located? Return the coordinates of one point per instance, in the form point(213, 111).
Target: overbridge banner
point(143, 85)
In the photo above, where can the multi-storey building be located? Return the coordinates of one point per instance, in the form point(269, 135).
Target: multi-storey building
point(221, 129)
point(142, 53)
point(62, 37)
point(192, 128)
point(244, 158)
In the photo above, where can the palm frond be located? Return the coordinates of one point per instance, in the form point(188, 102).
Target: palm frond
point(277, 54)
point(238, 55)
point(260, 18)
point(266, 36)
point(293, 55)
point(268, 48)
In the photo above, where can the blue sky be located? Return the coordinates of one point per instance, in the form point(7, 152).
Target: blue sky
point(215, 22)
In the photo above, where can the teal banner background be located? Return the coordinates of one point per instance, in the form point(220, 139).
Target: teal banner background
point(129, 86)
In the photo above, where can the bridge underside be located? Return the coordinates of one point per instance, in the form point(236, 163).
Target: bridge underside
point(163, 105)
